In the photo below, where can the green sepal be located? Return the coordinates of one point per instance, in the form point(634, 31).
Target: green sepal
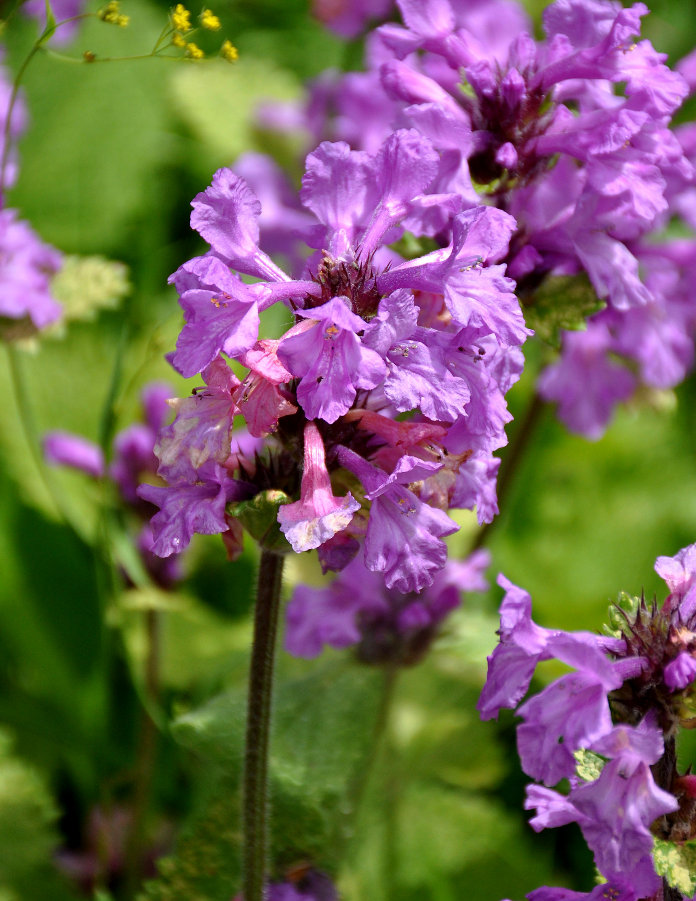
point(561, 303)
point(50, 28)
point(259, 516)
point(676, 864)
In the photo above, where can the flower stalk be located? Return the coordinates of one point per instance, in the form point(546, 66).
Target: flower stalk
point(255, 788)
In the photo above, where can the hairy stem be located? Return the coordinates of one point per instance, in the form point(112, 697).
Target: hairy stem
point(255, 789)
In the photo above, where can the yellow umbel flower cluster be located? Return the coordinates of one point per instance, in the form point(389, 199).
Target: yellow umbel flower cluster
point(181, 18)
point(181, 32)
point(229, 52)
point(112, 14)
point(193, 51)
point(210, 21)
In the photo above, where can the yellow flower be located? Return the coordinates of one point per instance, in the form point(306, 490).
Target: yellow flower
point(229, 52)
point(181, 18)
point(194, 52)
point(210, 21)
point(178, 40)
point(110, 13)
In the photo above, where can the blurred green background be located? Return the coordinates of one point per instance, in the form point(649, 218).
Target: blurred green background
point(112, 157)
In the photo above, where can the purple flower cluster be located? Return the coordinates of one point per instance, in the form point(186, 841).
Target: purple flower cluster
point(27, 264)
point(383, 625)
point(133, 463)
point(388, 388)
point(26, 268)
point(571, 136)
point(623, 703)
point(302, 884)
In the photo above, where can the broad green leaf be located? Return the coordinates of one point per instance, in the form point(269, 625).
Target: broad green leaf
point(425, 840)
point(676, 864)
point(560, 303)
point(27, 817)
point(206, 865)
point(321, 741)
point(27, 831)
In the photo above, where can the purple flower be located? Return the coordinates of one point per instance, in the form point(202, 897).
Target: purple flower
point(318, 515)
point(613, 890)
point(616, 810)
point(188, 508)
point(221, 312)
point(374, 338)
point(65, 449)
point(585, 382)
point(384, 625)
point(679, 572)
point(311, 885)
point(569, 714)
point(680, 672)
point(403, 538)
point(348, 17)
point(330, 360)
point(15, 127)
point(26, 267)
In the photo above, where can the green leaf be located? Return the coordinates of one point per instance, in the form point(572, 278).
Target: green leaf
point(206, 864)
point(86, 285)
point(27, 816)
point(50, 27)
point(588, 765)
point(561, 303)
point(322, 737)
point(676, 864)
point(27, 834)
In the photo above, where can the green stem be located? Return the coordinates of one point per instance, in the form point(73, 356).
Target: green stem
point(378, 737)
point(510, 462)
point(255, 789)
point(10, 109)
